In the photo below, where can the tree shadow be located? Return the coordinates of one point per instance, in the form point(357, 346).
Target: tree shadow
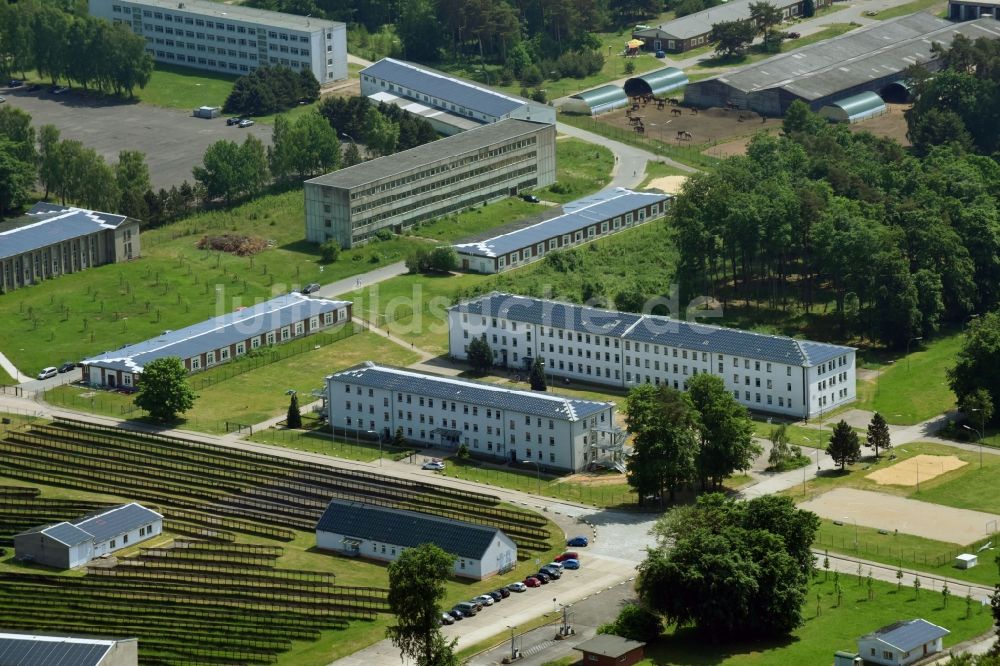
point(689, 647)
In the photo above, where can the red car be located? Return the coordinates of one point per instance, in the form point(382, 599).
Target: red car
point(569, 555)
point(531, 581)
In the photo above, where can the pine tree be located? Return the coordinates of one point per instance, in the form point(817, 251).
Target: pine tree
point(844, 447)
point(537, 376)
point(398, 440)
point(878, 434)
point(294, 419)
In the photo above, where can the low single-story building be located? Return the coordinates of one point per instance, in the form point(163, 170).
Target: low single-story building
point(855, 108)
point(584, 220)
point(593, 102)
point(220, 339)
point(658, 83)
point(966, 561)
point(969, 10)
point(902, 643)
point(380, 533)
point(611, 650)
point(19, 649)
point(67, 545)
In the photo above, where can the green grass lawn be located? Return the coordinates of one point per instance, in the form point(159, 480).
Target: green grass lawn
point(797, 435)
point(6, 379)
point(253, 396)
point(656, 170)
point(913, 389)
point(834, 627)
point(458, 226)
point(909, 8)
point(174, 284)
point(185, 88)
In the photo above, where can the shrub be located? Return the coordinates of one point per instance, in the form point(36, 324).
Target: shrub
point(383, 234)
point(270, 90)
point(329, 251)
point(538, 95)
point(463, 452)
point(634, 622)
point(531, 76)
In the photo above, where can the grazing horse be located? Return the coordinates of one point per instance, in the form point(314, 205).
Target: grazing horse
point(683, 135)
point(675, 112)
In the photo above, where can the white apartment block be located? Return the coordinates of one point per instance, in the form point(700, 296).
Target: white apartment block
point(556, 432)
point(231, 38)
point(768, 373)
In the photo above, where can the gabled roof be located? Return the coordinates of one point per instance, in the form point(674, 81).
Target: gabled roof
point(654, 329)
point(406, 528)
point(99, 526)
point(431, 82)
point(33, 650)
point(908, 634)
point(535, 403)
point(580, 214)
point(701, 22)
point(609, 645)
point(218, 332)
point(46, 224)
point(66, 533)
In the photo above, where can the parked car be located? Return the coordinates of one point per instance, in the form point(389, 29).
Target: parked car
point(497, 595)
point(517, 587)
point(2, 99)
point(15, 83)
point(468, 609)
point(571, 564)
point(794, 35)
point(485, 600)
point(578, 542)
point(66, 367)
point(234, 121)
point(246, 122)
point(555, 565)
point(447, 619)
point(531, 581)
point(433, 465)
point(568, 555)
point(542, 577)
point(456, 614)
point(47, 373)
point(34, 87)
point(552, 573)
point(59, 90)
point(530, 198)
point(475, 603)
point(310, 288)
point(504, 592)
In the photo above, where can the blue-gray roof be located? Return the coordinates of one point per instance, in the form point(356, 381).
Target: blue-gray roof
point(547, 405)
point(67, 533)
point(46, 224)
point(406, 528)
point(654, 329)
point(437, 84)
point(218, 332)
point(582, 213)
point(909, 634)
point(110, 523)
point(30, 650)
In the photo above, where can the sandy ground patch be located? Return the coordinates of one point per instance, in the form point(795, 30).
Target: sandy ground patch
point(707, 126)
point(595, 479)
point(890, 512)
point(913, 470)
point(668, 184)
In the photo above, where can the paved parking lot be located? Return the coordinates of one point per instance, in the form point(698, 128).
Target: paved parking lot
point(174, 141)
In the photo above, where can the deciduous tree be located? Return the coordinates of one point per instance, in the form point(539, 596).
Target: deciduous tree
point(732, 37)
point(665, 442)
point(537, 375)
point(725, 431)
point(163, 389)
point(978, 359)
point(416, 587)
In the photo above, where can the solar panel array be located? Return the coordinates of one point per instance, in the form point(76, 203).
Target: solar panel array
point(17, 650)
point(48, 224)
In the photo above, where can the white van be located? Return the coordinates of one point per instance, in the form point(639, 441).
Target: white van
point(46, 373)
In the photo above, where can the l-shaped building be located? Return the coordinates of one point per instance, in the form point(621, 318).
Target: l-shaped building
point(771, 373)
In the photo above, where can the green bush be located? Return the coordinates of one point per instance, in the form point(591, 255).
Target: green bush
point(329, 251)
point(634, 622)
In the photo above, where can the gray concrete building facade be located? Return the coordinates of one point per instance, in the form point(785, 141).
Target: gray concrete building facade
point(231, 38)
point(491, 162)
point(53, 240)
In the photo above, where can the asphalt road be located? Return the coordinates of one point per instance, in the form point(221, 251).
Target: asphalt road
point(173, 140)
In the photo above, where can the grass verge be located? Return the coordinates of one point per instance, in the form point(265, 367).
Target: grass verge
point(909, 8)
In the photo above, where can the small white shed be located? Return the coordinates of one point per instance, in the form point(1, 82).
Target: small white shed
point(966, 561)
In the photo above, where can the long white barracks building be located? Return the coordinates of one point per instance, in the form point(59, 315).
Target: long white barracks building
point(770, 373)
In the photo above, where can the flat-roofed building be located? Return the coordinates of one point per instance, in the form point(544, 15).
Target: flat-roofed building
point(21, 649)
point(220, 339)
point(449, 103)
point(556, 431)
point(52, 240)
point(769, 373)
point(968, 10)
point(230, 37)
point(581, 221)
point(493, 161)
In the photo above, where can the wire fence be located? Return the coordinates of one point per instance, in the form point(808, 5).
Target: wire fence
point(880, 551)
point(658, 143)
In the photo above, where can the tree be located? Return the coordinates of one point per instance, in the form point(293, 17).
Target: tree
point(781, 450)
point(844, 446)
point(398, 438)
point(480, 355)
point(329, 251)
point(419, 30)
point(800, 119)
point(163, 389)
point(49, 163)
point(878, 434)
point(219, 174)
point(764, 17)
point(978, 408)
point(294, 418)
point(731, 569)
point(352, 155)
point(537, 375)
point(662, 421)
point(634, 622)
point(630, 299)
point(416, 587)
point(725, 431)
point(732, 37)
point(442, 259)
point(303, 148)
point(132, 179)
point(17, 177)
point(977, 360)
point(271, 89)
point(380, 133)
point(253, 173)
point(808, 8)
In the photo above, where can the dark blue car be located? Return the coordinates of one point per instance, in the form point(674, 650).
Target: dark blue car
point(578, 542)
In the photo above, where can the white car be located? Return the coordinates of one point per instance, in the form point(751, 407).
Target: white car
point(517, 587)
point(485, 600)
point(555, 565)
point(48, 373)
point(434, 465)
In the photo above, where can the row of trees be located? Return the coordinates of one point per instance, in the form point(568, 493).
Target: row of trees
point(701, 436)
point(898, 243)
point(87, 51)
point(383, 128)
point(271, 90)
point(733, 37)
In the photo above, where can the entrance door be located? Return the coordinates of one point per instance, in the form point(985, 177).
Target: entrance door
point(513, 455)
point(112, 380)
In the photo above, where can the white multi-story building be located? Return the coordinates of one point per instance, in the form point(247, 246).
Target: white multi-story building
point(231, 38)
point(554, 431)
point(771, 373)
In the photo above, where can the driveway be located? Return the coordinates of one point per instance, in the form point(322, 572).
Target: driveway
point(74, 375)
point(173, 140)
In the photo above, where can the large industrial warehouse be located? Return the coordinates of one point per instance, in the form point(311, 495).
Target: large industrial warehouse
point(870, 59)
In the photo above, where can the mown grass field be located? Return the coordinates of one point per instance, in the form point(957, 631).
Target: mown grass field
point(184, 88)
point(910, 8)
point(827, 627)
point(915, 388)
point(174, 284)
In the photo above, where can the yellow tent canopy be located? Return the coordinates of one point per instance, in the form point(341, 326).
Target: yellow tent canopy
point(634, 43)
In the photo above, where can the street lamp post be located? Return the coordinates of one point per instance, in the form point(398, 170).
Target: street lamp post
point(538, 473)
point(908, 350)
point(979, 439)
point(372, 433)
point(513, 652)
